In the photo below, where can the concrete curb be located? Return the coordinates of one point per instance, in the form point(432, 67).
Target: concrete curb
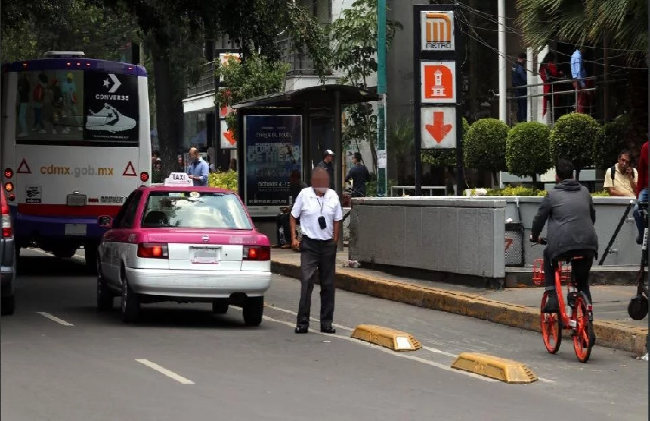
point(608, 334)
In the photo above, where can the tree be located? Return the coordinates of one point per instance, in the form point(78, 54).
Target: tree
point(572, 138)
point(528, 150)
point(176, 29)
point(99, 32)
point(443, 157)
point(620, 27)
point(623, 22)
point(254, 77)
point(611, 142)
point(354, 48)
point(485, 146)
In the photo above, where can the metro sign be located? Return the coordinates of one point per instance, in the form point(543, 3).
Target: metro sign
point(437, 31)
point(438, 129)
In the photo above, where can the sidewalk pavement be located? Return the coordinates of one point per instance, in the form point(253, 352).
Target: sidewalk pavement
point(517, 307)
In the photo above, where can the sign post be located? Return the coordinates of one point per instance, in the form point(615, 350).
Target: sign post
point(382, 176)
point(437, 86)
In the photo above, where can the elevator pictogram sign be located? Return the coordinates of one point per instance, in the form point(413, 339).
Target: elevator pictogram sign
point(438, 82)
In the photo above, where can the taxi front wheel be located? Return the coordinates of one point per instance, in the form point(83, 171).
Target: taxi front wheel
point(253, 310)
point(130, 307)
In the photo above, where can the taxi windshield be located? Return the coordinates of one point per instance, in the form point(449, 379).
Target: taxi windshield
point(194, 210)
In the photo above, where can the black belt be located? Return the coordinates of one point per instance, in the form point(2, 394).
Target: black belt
point(317, 241)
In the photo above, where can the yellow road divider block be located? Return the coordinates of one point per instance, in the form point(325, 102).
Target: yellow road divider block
point(496, 368)
point(386, 337)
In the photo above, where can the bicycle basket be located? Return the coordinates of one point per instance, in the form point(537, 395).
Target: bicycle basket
point(538, 272)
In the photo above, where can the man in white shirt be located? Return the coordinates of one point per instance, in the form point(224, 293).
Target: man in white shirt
point(319, 210)
point(621, 179)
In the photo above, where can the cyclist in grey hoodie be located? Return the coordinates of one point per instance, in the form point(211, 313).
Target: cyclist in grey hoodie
point(569, 209)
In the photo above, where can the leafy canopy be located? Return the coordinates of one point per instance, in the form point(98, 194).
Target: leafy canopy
point(528, 149)
point(586, 22)
point(255, 77)
point(572, 138)
point(485, 145)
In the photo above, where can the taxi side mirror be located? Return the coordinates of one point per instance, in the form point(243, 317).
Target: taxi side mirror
point(105, 222)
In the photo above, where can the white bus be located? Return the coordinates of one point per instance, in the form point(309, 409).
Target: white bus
point(75, 143)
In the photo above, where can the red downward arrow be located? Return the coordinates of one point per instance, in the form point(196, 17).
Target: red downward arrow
point(439, 129)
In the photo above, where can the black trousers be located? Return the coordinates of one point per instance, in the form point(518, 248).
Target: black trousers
point(579, 268)
point(321, 256)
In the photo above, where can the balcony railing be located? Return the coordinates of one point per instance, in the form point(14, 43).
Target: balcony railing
point(299, 62)
point(205, 84)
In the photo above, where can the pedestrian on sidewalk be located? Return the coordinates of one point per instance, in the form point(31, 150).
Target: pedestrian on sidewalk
point(641, 191)
point(519, 81)
point(320, 214)
point(328, 164)
point(621, 178)
point(359, 175)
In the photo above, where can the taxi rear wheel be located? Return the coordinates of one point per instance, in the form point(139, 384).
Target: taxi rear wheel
point(130, 304)
point(220, 306)
point(253, 310)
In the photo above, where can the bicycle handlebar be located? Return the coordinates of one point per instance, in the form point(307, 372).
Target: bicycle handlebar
point(540, 240)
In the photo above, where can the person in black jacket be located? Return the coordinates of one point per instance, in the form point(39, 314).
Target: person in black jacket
point(328, 164)
point(570, 212)
point(359, 175)
point(519, 79)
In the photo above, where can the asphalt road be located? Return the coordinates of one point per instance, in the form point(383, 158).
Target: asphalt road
point(61, 360)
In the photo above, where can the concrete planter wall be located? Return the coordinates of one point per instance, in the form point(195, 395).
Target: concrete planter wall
point(465, 235)
point(446, 235)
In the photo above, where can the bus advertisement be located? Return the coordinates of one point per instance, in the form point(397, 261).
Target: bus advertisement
point(75, 143)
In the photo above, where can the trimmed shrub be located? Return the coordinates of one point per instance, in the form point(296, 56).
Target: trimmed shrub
point(528, 150)
point(611, 142)
point(485, 146)
point(573, 138)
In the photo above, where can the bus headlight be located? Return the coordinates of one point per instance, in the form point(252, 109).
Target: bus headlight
point(9, 187)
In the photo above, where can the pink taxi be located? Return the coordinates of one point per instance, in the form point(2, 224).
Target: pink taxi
point(183, 244)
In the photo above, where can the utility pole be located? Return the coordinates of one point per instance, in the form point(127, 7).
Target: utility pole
point(503, 64)
point(382, 185)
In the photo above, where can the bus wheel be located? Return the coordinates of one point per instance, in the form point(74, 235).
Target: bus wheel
point(91, 256)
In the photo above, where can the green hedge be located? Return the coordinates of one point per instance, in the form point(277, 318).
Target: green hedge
point(528, 149)
point(223, 180)
point(528, 191)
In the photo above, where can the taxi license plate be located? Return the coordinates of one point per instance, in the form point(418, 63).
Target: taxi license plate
point(204, 255)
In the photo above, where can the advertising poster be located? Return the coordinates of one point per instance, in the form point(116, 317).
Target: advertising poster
point(228, 140)
point(76, 106)
point(111, 107)
point(273, 152)
point(50, 106)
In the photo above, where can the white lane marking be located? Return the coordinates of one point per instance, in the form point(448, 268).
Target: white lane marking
point(54, 318)
point(427, 348)
point(313, 319)
point(387, 351)
point(163, 370)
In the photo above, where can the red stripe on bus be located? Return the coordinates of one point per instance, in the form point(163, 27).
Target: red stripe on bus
point(65, 210)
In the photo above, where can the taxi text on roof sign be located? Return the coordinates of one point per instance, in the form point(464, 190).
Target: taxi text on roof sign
point(178, 179)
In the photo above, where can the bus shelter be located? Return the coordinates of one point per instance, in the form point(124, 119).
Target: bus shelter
point(287, 132)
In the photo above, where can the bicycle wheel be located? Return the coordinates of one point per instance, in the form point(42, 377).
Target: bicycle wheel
point(551, 327)
point(583, 338)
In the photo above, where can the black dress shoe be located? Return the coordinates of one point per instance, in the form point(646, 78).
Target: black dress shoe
point(301, 329)
point(328, 329)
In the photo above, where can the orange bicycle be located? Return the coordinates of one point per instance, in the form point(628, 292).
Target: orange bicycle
point(575, 315)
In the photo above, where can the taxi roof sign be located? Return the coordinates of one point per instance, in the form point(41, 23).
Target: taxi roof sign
point(178, 179)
